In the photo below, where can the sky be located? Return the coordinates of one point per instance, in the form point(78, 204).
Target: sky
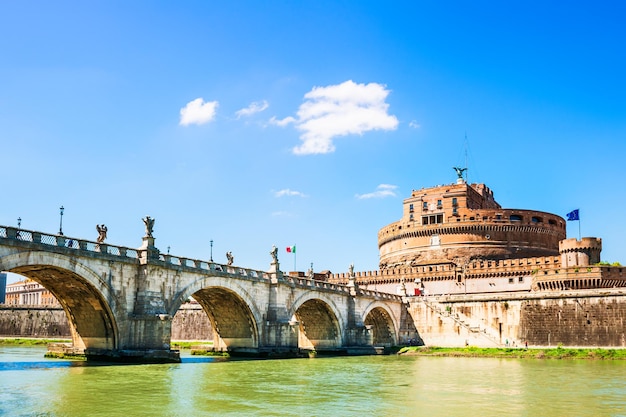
point(252, 124)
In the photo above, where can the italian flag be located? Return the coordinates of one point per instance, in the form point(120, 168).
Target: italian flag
point(291, 249)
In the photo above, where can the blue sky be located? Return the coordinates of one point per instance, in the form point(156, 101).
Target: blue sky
point(305, 123)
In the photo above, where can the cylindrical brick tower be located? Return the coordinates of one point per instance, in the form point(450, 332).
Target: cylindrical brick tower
point(458, 222)
point(582, 252)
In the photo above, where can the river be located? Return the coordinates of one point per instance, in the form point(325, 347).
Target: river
point(31, 385)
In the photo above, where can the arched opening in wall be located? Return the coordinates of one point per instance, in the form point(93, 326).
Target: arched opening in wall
point(234, 327)
point(318, 326)
point(379, 323)
point(30, 310)
point(91, 324)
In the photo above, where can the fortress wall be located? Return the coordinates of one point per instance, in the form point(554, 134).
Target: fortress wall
point(189, 323)
point(593, 321)
point(572, 318)
point(33, 321)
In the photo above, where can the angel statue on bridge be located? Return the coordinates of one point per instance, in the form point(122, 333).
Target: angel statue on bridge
point(149, 222)
point(102, 233)
point(230, 258)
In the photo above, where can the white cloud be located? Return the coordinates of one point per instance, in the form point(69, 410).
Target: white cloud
point(339, 110)
point(289, 193)
point(382, 191)
point(282, 122)
point(255, 107)
point(198, 112)
point(414, 124)
point(282, 214)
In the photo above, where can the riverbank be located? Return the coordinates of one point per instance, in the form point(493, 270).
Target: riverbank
point(516, 353)
point(30, 341)
point(36, 341)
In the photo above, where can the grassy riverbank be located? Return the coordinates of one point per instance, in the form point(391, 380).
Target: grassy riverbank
point(518, 353)
point(189, 344)
point(34, 341)
point(28, 341)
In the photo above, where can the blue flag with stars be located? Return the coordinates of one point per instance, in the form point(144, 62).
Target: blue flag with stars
point(573, 215)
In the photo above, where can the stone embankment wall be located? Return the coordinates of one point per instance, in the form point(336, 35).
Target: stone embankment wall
point(589, 318)
point(45, 322)
point(189, 323)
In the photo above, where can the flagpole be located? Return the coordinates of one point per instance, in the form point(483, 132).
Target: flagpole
point(579, 237)
point(296, 250)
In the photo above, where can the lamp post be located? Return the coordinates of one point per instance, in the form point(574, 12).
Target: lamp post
point(19, 222)
point(211, 242)
point(61, 222)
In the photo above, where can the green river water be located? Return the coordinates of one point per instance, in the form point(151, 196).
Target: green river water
point(31, 385)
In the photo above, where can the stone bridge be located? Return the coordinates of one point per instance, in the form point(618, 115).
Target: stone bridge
point(120, 301)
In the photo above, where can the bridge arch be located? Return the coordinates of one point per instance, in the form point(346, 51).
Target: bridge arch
point(321, 326)
point(232, 311)
point(87, 299)
point(382, 325)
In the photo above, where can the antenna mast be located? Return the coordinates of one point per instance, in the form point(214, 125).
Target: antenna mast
point(465, 157)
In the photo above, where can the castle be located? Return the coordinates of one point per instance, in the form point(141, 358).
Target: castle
point(457, 239)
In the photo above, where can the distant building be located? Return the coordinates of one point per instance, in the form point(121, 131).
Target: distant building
point(456, 239)
point(29, 292)
point(3, 285)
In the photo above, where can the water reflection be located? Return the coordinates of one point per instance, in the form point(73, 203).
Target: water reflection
point(345, 386)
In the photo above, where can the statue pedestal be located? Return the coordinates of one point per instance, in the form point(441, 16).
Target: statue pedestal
point(148, 251)
point(274, 272)
point(352, 285)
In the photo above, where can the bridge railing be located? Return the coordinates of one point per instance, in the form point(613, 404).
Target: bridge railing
point(8, 232)
point(307, 282)
point(384, 295)
point(207, 266)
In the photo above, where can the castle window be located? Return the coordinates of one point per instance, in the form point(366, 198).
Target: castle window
point(515, 218)
point(411, 217)
point(425, 205)
point(454, 201)
point(432, 219)
point(410, 208)
point(537, 220)
point(552, 222)
point(510, 280)
point(520, 279)
point(439, 205)
point(455, 211)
